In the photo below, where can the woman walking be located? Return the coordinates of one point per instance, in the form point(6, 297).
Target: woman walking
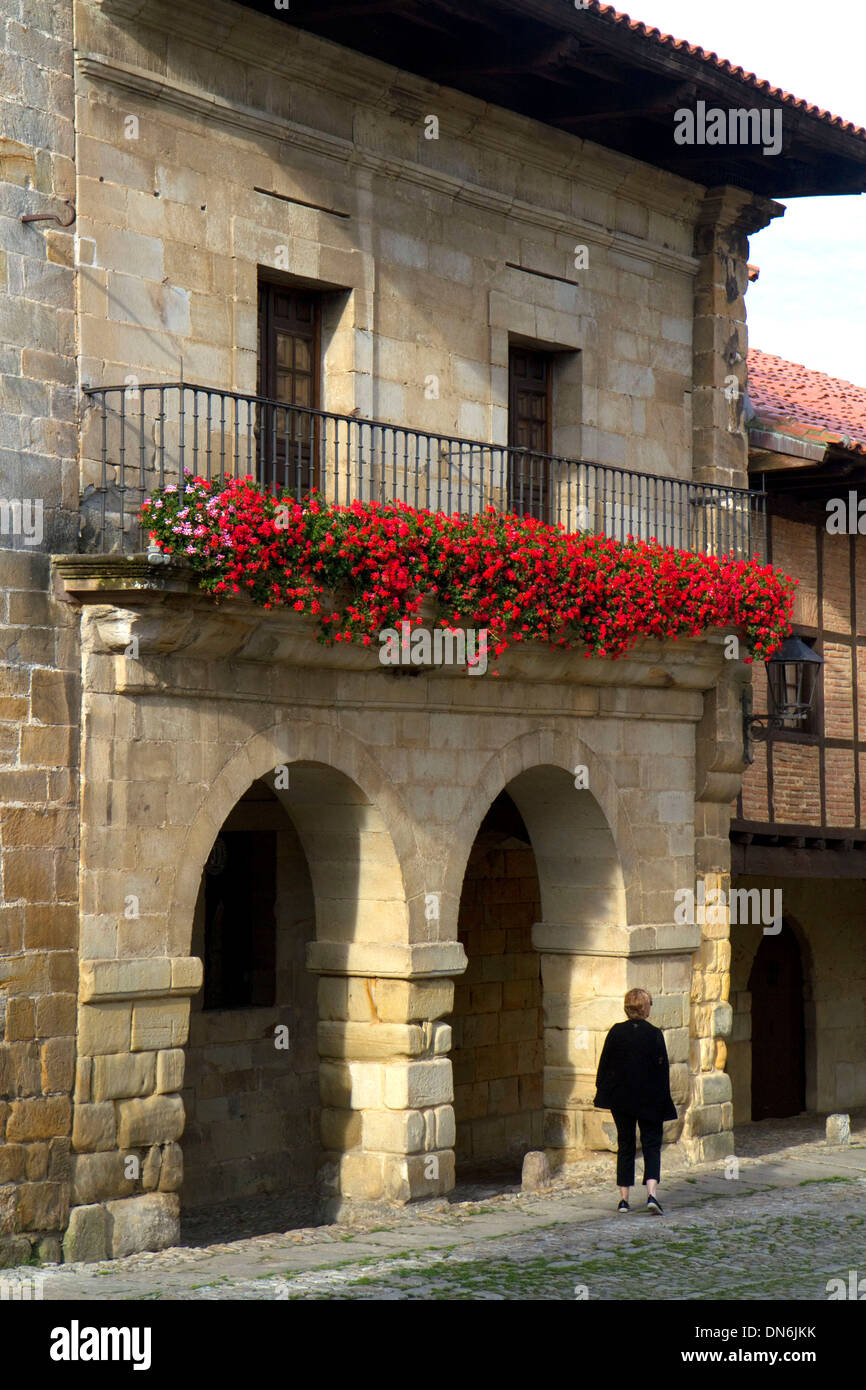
point(633, 1082)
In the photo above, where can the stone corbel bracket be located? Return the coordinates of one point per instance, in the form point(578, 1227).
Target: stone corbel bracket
point(719, 761)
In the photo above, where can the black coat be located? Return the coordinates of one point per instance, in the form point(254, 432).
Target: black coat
point(634, 1073)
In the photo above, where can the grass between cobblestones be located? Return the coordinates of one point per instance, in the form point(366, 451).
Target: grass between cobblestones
point(784, 1255)
point(778, 1235)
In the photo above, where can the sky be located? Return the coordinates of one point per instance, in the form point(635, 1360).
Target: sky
point(809, 304)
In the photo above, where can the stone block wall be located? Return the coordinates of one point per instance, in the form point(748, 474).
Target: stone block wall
point(39, 905)
point(728, 216)
point(708, 1123)
point(388, 783)
point(176, 227)
point(497, 1025)
point(38, 435)
point(39, 663)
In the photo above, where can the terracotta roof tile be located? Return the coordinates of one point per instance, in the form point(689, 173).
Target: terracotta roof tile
point(758, 84)
point(798, 401)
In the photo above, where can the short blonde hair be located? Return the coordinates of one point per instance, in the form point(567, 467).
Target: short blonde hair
point(638, 1003)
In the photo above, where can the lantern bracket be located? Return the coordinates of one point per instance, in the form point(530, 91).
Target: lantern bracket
point(752, 722)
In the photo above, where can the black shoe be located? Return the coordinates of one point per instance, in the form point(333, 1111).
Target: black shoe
point(623, 1206)
point(654, 1205)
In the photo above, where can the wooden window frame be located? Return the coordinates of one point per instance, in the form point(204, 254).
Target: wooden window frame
point(268, 326)
point(515, 484)
point(267, 285)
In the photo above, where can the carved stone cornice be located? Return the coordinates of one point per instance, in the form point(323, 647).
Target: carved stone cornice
point(171, 93)
point(159, 625)
point(727, 211)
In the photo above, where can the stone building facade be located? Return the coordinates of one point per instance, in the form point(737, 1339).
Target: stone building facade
point(440, 916)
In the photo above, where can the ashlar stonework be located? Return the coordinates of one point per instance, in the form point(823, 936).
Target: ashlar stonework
point(386, 825)
point(140, 723)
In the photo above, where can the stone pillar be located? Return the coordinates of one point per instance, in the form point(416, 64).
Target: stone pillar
point(39, 721)
point(388, 1127)
point(711, 1114)
point(719, 766)
point(586, 974)
point(581, 998)
point(39, 659)
point(727, 218)
point(127, 1166)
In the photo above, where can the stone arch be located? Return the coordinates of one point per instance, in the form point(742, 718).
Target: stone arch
point(363, 861)
point(540, 767)
point(331, 768)
point(579, 869)
point(589, 893)
point(251, 1083)
point(497, 1024)
point(384, 1076)
point(343, 811)
point(745, 947)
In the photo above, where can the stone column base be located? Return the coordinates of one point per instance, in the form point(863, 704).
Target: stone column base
point(109, 1230)
point(127, 1166)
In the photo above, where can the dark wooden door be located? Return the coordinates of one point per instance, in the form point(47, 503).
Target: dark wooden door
point(529, 432)
point(289, 339)
point(778, 1030)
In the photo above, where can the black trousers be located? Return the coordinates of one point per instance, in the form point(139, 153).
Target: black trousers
point(650, 1142)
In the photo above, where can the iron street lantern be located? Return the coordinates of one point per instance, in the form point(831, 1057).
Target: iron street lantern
point(792, 682)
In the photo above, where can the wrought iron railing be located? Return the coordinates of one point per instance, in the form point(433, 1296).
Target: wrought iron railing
point(136, 439)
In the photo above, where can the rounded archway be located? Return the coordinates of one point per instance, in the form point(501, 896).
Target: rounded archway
point(542, 911)
point(778, 1062)
point(251, 1086)
point(355, 830)
point(303, 860)
point(580, 873)
point(497, 1026)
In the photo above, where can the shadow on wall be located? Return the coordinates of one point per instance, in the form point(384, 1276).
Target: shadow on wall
point(252, 1077)
point(772, 1055)
point(497, 1022)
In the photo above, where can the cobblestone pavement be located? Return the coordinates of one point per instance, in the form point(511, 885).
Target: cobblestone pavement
point(792, 1217)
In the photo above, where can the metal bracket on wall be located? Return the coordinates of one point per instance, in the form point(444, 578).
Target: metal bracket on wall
point(51, 216)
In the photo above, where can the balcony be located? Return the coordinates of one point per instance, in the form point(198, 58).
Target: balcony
point(136, 439)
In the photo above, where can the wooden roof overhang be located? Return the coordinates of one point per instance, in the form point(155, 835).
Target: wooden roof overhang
point(592, 73)
point(825, 472)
